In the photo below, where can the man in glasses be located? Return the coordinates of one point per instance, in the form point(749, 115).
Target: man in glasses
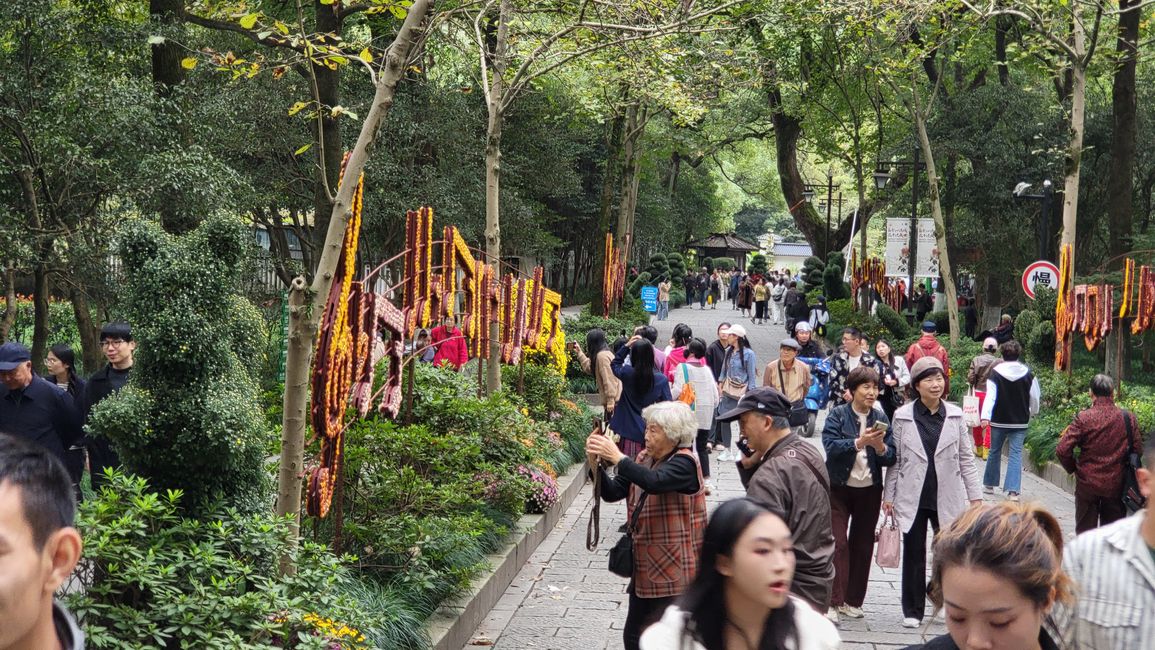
point(118, 346)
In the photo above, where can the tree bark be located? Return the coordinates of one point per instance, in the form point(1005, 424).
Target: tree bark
point(328, 21)
point(495, 125)
point(89, 334)
point(1120, 185)
point(1078, 76)
point(311, 299)
point(167, 72)
point(9, 319)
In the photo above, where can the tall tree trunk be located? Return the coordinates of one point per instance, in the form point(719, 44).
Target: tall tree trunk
point(89, 334)
point(945, 271)
point(10, 307)
point(1074, 159)
point(310, 299)
point(331, 148)
point(1120, 186)
point(167, 72)
point(41, 292)
point(629, 142)
point(495, 125)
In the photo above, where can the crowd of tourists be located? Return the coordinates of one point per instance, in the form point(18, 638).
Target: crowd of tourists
point(786, 565)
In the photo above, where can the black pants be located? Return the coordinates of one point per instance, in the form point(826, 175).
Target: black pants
point(854, 513)
point(643, 612)
point(101, 455)
point(914, 564)
point(703, 444)
point(1092, 511)
point(760, 309)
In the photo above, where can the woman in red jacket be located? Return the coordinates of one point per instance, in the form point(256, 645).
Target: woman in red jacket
point(450, 344)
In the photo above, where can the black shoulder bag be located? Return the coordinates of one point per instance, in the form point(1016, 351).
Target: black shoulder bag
point(799, 414)
point(1133, 499)
point(622, 554)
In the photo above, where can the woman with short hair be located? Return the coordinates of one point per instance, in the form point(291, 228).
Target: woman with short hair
point(663, 488)
point(933, 479)
point(998, 572)
point(858, 445)
point(740, 598)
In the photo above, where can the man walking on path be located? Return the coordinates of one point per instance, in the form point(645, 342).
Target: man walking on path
point(927, 345)
point(1012, 400)
point(119, 348)
point(735, 280)
point(789, 376)
point(794, 302)
point(33, 408)
point(784, 472)
point(852, 356)
point(1099, 433)
point(1114, 568)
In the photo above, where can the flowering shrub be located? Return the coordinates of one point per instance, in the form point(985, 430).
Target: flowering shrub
point(543, 490)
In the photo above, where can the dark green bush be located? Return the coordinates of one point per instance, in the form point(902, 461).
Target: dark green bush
point(1041, 343)
point(833, 284)
point(812, 270)
point(724, 263)
point(677, 265)
point(189, 419)
point(844, 314)
point(893, 321)
point(941, 320)
point(1045, 301)
point(152, 578)
point(1025, 324)
point(635, 288)
point(757, 264)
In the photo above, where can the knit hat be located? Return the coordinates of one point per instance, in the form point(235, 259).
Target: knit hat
point(802, 326)
point(990, 344)
point(923, 368)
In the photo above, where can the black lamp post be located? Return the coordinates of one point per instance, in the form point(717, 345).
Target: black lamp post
point(883, 175)
point(1047, 198)
point(808, 192)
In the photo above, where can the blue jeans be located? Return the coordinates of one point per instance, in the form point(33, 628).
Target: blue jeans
point(663, 309)
point(1013, 437)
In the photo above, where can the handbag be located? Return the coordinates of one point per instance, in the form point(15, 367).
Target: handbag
point(688, 395)
point(732, 388)
point(799, 414)
point(1133, 499)
point(622, 554)
point(970, 406)
point(889, 540)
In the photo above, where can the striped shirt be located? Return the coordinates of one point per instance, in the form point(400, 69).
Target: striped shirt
point(1114, 573)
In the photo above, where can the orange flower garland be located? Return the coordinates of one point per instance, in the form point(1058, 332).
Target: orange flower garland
point(1064, 312)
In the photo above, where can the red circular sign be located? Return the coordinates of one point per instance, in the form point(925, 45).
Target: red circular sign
point(1041, 273)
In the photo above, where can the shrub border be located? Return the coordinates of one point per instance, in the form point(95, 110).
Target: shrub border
point(451, 627)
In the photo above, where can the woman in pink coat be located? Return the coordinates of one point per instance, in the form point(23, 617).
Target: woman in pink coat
point(450, 344)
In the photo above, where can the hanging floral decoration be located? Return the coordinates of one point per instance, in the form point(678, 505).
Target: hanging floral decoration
point(333, 366)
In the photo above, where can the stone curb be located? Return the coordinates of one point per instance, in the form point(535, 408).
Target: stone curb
point(452, 625)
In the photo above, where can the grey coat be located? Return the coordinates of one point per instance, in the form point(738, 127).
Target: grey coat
point(954, 461)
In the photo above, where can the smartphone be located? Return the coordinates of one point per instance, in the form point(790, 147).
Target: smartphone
point(744, 446)
point(880, 426)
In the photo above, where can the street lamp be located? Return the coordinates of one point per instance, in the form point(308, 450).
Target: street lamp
point(883, 175)
point(808, 192)
point(1046, 197)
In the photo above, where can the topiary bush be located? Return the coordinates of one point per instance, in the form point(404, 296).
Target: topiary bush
point(833, 284)
point(658, 267)
point(1045, 300)
point(635, 288)
point(757, 264)
point(812, 270)
point(843, 313)
point(677, 265)
point(190, 416)
point(1025, 324)
point(1041, 343)
point(892, 321)
point(724, 263)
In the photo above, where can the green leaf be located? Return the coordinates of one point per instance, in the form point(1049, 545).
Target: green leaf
point(398, 12)
point(248, 20)
point(303, 149)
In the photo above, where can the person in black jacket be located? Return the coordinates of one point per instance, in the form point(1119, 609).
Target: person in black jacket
point(858, 445)
point(116, 341)
point(715, 357)
point(60, 362)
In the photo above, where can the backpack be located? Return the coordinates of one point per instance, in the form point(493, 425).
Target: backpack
point(777, 293)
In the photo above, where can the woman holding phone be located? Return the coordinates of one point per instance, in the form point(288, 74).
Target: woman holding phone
point(858, 445)
point(933, 479)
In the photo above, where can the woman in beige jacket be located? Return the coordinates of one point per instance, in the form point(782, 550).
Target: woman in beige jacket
point(609, 386)
point(933, 480)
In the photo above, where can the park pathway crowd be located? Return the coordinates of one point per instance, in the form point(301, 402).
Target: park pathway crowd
point(565, 597)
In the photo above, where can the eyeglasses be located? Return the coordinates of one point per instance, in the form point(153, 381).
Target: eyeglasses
point(111, 343)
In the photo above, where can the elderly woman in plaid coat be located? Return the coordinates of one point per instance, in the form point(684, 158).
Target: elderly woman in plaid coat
point(672, 519)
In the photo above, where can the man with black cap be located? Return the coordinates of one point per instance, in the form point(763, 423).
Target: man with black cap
point(783, 471)
point(32, 407)
point(116, 341)
point(927, 345)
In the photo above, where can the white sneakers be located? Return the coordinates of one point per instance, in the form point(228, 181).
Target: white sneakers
point(911, 622)
point(850, 611)
point(726, 456)
point(1013, 496)
point(832, 615)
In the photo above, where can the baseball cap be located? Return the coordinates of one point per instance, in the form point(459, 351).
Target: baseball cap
point(765, 400)
point(928, 326)
point(990, 344)
point(12, 354)
point(736, 330)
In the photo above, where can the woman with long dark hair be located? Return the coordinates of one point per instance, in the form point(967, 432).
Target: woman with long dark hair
point(61, 365)
point(642, 385)
point(895, 377)
point(596, 360)
point(677, 350)
point(740, 598)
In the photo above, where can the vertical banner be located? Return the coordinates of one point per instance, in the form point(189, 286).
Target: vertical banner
point(898, 248)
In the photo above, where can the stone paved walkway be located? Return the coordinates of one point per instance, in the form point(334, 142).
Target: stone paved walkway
point(564, 597)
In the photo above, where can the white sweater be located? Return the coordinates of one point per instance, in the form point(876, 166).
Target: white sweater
point(814, 631)
point(705, 390)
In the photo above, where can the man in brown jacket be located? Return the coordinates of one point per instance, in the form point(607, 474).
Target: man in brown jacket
point(784, 472)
